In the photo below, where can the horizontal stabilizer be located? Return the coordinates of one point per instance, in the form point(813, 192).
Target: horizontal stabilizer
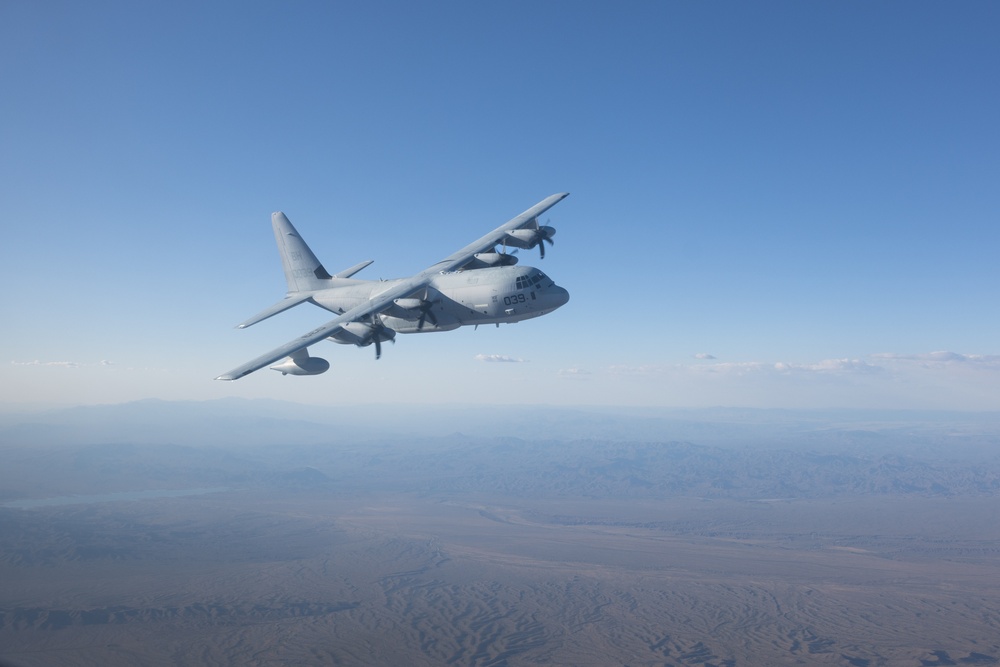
point(347, 273)
point(280, 307)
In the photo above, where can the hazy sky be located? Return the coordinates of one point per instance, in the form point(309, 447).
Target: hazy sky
point(773, 204)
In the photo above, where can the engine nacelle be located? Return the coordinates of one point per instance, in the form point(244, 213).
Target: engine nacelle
point(409, 304)
point(363, 334)
point(485, 260)
point(408, 309)
point(302, 365)
point(529, 238)
point(495, 259)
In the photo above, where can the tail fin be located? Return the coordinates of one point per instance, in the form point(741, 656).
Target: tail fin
point(302, 270)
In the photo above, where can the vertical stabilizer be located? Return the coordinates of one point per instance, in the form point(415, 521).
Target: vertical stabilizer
point(302, 270)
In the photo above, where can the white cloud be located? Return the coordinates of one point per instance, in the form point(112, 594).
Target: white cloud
point(727, 367)
point(888, 362)
point(574, 372)
point(943, 357)
point(704, 355)
point(36, 362)
point(61, 364)
point(500, 358)
point(830, 366)
point(940, 380)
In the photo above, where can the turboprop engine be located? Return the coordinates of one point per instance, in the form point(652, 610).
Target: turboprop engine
point(529, 238)
point(300, 363)
point(363, 334)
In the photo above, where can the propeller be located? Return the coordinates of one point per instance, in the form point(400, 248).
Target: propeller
point(507, 256)
point(378, 345)
point(377, 328)
point(426, 310)
point(545, 235)
point(529, 237)
point(426, 313)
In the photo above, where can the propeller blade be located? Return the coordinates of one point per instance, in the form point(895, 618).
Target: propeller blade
point(378, 348)
point(426, 313)
point(543, 238)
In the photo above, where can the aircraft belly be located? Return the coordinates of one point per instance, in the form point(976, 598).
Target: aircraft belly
point(399, 325)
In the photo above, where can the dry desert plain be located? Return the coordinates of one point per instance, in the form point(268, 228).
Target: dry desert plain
point(479, 551)
point(304, 578)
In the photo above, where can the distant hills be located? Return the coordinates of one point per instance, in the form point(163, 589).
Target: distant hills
point(233, 421)
point(537, 452)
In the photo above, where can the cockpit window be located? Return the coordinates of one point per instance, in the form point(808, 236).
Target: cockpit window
point(533, 278)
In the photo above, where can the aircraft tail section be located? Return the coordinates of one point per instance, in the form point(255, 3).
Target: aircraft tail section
point(303, 271)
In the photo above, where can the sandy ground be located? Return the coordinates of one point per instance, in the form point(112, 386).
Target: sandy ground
point(416, 579)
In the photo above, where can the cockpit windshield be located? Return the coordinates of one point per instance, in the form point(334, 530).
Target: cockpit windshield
point(531, 279)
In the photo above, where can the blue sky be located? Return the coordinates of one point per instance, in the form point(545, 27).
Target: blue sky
point(773, 204)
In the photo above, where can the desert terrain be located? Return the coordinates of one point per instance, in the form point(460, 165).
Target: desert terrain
point(498, 551)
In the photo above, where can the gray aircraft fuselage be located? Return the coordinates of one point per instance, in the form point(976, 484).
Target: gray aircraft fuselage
point(457, 298)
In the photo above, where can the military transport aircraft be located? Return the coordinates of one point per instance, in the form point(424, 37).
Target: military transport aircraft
point(479, 284)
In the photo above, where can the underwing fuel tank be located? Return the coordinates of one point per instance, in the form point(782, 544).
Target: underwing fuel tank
point(302, 365)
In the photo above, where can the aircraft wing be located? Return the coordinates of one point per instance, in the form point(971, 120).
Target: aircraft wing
point(457, 259)
point(374, 305)
point(396, 290)
point(280, 307)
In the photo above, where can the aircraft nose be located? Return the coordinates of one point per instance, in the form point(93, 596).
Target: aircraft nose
point(560, 296)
